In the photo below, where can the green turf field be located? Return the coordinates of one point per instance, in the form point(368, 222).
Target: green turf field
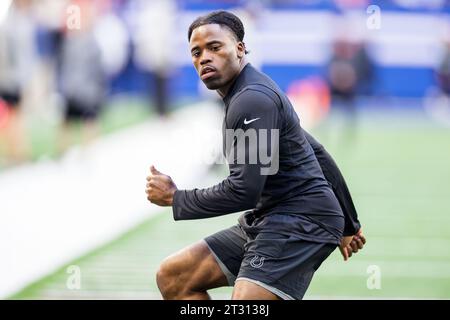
point(399, 175)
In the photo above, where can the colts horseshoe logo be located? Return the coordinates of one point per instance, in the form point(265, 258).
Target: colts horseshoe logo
point(254, 262)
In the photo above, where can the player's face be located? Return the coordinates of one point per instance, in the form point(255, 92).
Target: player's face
point(216, 55)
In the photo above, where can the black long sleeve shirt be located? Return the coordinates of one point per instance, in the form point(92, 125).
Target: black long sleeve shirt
point(336, 180)
point(296, 188)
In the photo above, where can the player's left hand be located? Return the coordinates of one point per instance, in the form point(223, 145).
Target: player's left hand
point(352, 244)
point(160, 188)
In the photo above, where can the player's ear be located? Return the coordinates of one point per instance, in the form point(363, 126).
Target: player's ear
point(240, 49)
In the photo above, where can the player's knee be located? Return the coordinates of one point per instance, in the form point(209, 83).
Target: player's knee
point(165, 279)
point(245, 290)
point(182, 274)
point(169, 278)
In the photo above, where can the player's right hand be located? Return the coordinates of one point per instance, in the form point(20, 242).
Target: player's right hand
point(160, 188)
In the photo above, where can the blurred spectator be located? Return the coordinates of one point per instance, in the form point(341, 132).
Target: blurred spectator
point(350, 73)
point(82, 77)
point(437, 100)
point(112, 37)
point(154, 45)
point(443, 71)
point(16, 62)
point(50, 16)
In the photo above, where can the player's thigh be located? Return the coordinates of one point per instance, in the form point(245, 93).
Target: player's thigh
point(228, 248)
point(193, 267)
point(246, 290)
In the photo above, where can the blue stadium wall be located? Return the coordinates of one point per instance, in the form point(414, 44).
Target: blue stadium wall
point(391, 79)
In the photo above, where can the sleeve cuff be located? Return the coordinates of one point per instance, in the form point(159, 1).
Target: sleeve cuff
point(176, 210)
point(352, 229)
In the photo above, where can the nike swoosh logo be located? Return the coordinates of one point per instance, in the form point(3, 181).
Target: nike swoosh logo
point(250, 121)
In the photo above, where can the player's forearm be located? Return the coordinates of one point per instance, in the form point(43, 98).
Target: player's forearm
point(240, 191)
point(200, 204)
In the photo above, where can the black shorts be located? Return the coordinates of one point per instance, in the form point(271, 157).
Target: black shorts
point(282, 264)
point(12, 99)
point(76, 111)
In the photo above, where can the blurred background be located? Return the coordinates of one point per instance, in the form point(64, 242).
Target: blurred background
point(94, 92)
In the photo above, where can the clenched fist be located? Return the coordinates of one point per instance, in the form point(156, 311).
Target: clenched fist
point(160, 188)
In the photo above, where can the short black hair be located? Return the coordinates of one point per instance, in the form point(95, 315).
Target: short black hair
point(223, 18)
